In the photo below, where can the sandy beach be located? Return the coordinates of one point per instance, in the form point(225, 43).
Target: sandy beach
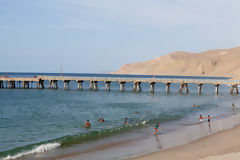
point(219, 146)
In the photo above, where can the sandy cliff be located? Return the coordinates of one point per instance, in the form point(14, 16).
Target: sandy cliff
point(222, 62)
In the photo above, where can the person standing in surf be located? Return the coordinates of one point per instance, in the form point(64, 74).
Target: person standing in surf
point(208, 119)
point(200, 118)
point(156, 128)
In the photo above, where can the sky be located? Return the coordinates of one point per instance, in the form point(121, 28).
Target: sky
point(99, 36)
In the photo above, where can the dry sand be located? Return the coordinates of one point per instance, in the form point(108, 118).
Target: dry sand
point(221, 62)
point(220, 146)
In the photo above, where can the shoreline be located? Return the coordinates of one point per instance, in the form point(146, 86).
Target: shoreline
point(142, 142)
point(216, 146)
point(150, 147)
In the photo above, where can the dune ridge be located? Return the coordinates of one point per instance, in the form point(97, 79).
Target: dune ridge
point(219, 62)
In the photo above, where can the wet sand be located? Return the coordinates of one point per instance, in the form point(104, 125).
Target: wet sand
point(218, 146)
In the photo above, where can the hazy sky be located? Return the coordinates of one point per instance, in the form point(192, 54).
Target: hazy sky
point(101, 35)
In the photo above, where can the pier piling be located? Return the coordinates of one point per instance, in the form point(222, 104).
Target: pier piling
point(91, 85)
point(134, 86)
point(80, 87)
point(122, 86)
point(168, 87)
point(139, 89)
point(216, 88)
point(200, 88)
point(95, 85)
point(107, 85)
point(234, 86)
point(66, 84)
point(181, 87)
point(152, 87)
point(236, 89)
point(186, 88)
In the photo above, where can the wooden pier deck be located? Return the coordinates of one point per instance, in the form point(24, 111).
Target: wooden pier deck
point(11, 82)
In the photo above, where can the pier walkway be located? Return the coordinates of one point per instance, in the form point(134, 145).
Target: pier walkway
point(18, 82)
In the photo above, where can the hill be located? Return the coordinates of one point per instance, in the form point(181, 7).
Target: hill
point(219, 62)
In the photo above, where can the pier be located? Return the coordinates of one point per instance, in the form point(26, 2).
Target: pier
point(26, 83)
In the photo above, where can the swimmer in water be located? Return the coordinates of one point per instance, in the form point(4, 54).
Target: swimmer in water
point(136, 112)
point(87, 124)
point(125, 122)
point(101, 120)
point(194, 106)
point(200, 118)
point(156, 128)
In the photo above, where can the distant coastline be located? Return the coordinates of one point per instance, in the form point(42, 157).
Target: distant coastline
point(219, 62)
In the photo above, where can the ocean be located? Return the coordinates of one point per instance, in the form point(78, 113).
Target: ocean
point(37, 121)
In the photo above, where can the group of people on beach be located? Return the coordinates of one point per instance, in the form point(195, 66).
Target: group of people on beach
point(201, 118)
point(88, 125)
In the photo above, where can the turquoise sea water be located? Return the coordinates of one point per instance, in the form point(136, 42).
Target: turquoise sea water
point(33, 117)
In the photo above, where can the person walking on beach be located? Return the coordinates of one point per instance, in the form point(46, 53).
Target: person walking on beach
point(87, 124)
point(156, 128)
point(200, 118)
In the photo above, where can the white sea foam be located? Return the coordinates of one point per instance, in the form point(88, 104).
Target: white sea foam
point(38, 149)
point(144, 122)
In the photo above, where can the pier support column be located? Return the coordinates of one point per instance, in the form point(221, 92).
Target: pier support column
point(134, 86)
point(95, 85)
point(91, 85)
point(2, 84)
point(31, 84)
point(55, 84)
point(232, 88)
point(13, 84)
point(216, 88)
point(9, 84)
point(199, 88)
point(80, 87)
point(186, 88)
point(168, 87)
point(27, 84)
point(152, 87)
point(19, 84)
point(122, 86)
point(236, 89)
point(66, 84)
point(42, 83)
point(139, 89)
point(23, 85)
point(107, 85)
point(50, 84)
point(181, 87)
